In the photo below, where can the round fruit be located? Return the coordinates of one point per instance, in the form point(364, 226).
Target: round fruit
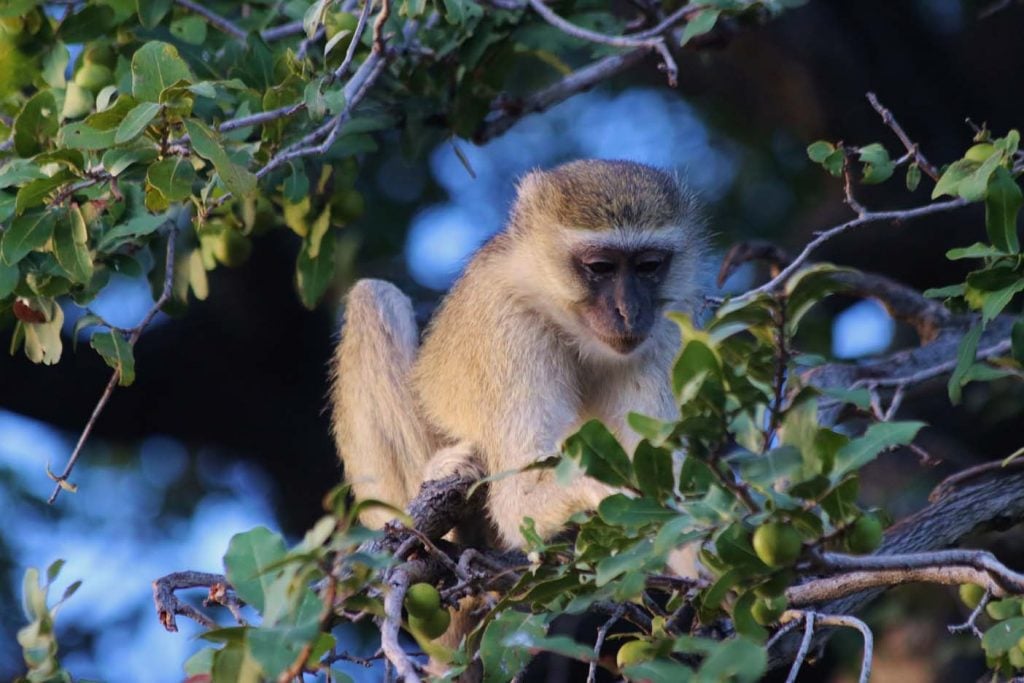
point(777, 544)
point(93, 76)
point(432, 626)
point(971, 594)
point(980, 152)
point(635, 652)
point(865, 535)
point(1016, 657)
point(768, 610)
point(422, 600)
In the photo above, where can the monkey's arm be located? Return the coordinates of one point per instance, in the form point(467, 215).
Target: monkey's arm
point(382, 441)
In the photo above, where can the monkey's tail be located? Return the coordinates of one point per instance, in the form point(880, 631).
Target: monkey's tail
point(381, 439)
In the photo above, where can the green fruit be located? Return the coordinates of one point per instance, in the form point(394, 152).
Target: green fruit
point(865, 535)
point(100, 54)
point(1016, 657)
point(93, 76)
point(432, 626)
point(422, 600)
point(635, 652)
point(768, 610)
point(777, 544)
point(1003, 609)
point(980, 152)
point(971, 594)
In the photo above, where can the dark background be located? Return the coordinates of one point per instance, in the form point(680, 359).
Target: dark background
point(242, 376)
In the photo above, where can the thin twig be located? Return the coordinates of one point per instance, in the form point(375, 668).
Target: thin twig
point(911, 146)
point(805, 647)
point(853, 622)
point(542, 100)
point(215, 20)
point(656, 43)
point(357, 37)
point(970, 625)
point(378, 25)
point(292, 28)
point(863, 219)
point(602, 633)
point(165, 295)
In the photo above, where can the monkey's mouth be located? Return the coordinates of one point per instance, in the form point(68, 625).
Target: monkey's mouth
point(624, 344)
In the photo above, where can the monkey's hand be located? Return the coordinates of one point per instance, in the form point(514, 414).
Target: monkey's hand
point(461, 460)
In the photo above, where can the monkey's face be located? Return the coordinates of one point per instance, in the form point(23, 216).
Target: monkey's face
point(622, 288)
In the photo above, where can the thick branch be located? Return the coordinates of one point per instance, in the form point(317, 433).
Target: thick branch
point(168, 605)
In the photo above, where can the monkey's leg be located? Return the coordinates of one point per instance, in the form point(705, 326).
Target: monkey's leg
point(380, 438)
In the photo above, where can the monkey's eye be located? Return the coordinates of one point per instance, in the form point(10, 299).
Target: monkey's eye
point(649, 266)
point(599, 267)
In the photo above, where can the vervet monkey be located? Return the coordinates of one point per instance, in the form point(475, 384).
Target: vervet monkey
point(558, 318)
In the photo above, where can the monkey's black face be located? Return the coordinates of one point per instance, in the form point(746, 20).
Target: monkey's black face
point(622, 301)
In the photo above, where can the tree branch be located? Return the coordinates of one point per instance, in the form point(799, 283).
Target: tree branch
point(912, 148)
point(136, 332)
point(656, 42)
point(217, 21)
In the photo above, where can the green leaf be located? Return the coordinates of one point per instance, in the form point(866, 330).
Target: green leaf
point(699, 24)
point(913, 176)
point(70, 245)
point(152, 12)
point(653, 467)
point(876, 439)
point(878, 167)
point(739, 659)
point(1002, 203)
point(36, 191)
point(946, 292)
point(949, 182)
point(136, 121)
point(117, 160)
point(234, 663)
point(37, 122)
point(458, 12)
point(91, 22)
point(964, 360)
point(139, 226)
point(820, 150)
point(660, 671)
point(10, 275)
point(155, 66)
point(173, 177)
point(976, 250)
point(973, 187)
point(236, 178)
point(777, 465)
point(117, 353)
point(501, 656)
point(83, 136)
point(600, 455)
point(633, 513)
point(189, 29)
point(1002, 636)
point(25, 234)
point(248, 556)
point(312, 275)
